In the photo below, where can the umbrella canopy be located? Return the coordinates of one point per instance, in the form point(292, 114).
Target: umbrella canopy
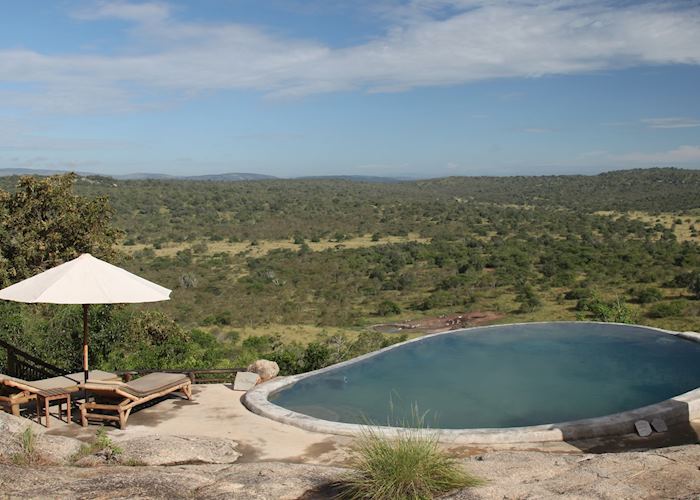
point(85, 280)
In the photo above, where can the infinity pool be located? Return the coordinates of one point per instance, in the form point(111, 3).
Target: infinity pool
point(504, 376)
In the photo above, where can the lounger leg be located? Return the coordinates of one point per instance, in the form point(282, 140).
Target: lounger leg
point(123, 417)
point(15, 409)
point(188, 391)
point(46, 413)
point(69, 417)
point(83, 415)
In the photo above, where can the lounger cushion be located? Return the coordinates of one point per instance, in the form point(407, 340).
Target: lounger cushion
point(7, 377)
point(152, 383)
point(71, 381)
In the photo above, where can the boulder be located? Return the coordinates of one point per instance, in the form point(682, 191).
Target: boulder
point(54, 449)
point(266, 369)
point(178, 450)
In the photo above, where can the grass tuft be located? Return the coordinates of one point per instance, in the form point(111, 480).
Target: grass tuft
point(409, 466)
point(101, 444)
point(28, 454)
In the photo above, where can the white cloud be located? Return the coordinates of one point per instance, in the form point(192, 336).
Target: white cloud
point(675, 122)
point(138, 12)
point(680, 155)
point(426, 43)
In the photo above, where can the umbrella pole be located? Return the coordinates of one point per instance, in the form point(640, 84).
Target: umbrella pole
point(85, 341)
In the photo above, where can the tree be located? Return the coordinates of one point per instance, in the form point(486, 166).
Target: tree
point(529, 301)
point(43, 224)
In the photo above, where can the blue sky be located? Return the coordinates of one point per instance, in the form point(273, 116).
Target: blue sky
point(416, 88)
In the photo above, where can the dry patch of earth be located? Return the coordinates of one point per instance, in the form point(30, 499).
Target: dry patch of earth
point(259, 248)
point(440, 323)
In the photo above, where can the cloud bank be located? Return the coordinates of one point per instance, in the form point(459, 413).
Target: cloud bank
point(426, 43)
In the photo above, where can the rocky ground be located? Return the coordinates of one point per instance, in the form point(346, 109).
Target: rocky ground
point(200, 467)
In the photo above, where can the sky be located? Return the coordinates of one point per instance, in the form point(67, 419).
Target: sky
point(413, 88)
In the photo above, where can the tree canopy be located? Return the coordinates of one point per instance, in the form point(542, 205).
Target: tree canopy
point(43, 224)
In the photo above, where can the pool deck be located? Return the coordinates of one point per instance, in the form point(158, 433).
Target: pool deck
point(216, 411)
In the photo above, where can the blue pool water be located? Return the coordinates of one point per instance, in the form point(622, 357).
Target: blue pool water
point(505, 376)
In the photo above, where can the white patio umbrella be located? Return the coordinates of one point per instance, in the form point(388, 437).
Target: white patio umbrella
point(85, 280)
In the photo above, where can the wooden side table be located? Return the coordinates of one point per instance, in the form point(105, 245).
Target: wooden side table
point(44, 399)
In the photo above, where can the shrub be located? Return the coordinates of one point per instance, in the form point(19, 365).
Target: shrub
point(694, 285)
point(578, 294)
point(316, 355)
point(648, 295)
point(529, 301)
point(616, 311)
point(409, 466)
point(666, 309)
point(388, 308)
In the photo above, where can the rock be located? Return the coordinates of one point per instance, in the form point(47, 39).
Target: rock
point(266, 369)
point(177, 450)
point(659, 425)
point(659, 473)
point(54, 449)
point(252, 481)
point(58, 449)
point(90, 461)
point(643, 428)
point(245, 381)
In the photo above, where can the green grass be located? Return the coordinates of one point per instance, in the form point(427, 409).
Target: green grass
point(101, 442)
point(28, 454)
point(409, 466)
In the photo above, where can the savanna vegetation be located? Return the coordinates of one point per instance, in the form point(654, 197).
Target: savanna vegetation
point(297, 270)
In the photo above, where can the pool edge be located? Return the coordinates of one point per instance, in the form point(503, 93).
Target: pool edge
point(678, 409)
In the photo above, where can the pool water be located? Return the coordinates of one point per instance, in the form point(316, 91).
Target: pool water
point(504, 376)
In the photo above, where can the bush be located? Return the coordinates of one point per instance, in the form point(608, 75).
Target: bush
point(578, 294)
point(694, 285)
point(388, 308)
point(316, 355)
point(616, 311)
point(648, 295)
point(666, 309)
point(410, 466)
point(529, 301)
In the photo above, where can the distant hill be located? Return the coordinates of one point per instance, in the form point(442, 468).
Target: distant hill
point(358, 178)
point(651, 189)
point(139, 176)
point(233, 176)
point(9, 172)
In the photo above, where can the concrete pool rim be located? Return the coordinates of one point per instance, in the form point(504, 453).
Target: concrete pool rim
point(678, 409)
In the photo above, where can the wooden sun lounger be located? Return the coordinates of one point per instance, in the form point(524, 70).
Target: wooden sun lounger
point(16, 391)
point(131, 394)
